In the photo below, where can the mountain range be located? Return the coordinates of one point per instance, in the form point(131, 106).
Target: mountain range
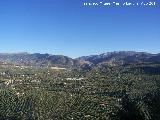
point(109, 58)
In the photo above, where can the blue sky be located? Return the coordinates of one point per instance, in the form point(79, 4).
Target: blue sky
point(67, 27)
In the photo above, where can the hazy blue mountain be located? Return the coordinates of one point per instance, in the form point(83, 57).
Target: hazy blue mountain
point(37, 59)
point(110, 58)
point(121, 58)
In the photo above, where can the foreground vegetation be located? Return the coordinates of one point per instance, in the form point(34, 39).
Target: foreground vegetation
point(128, 92)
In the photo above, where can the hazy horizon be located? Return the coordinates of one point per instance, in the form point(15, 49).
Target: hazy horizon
point(23, 52)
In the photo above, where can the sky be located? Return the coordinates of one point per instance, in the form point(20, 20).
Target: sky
point(67, 27)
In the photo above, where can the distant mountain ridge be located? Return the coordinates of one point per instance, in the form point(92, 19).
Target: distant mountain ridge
point(109, 58)
point(121, 57)
point(37, 59)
